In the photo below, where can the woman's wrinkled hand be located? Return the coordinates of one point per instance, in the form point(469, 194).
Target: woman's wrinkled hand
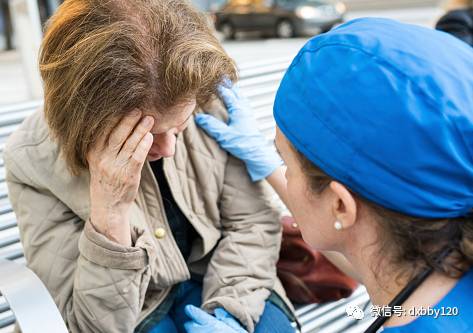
point(240, 136)
point(115, 171)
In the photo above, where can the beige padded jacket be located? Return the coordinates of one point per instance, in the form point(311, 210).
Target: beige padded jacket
point(100, 286)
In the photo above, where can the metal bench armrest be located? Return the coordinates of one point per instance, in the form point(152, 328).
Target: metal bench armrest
point(29, 299)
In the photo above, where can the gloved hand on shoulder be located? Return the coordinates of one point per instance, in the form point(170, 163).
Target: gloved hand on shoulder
point(241, 137)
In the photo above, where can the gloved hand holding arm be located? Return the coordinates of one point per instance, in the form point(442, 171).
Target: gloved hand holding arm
point(202, 322)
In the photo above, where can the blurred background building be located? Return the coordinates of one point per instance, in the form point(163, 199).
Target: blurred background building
point(251, 30)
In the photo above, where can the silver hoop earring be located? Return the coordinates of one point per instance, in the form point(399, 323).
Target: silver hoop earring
point(338, 225)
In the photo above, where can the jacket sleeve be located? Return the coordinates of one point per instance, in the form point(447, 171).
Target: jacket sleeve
point(459, 23)
point(242, 270)
point(97, 284)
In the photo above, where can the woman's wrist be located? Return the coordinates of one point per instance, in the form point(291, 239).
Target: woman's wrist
point(112, 224)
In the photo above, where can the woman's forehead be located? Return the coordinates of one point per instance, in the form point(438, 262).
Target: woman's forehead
point(175, 116)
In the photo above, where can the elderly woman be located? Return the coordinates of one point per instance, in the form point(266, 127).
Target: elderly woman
point(127, 211)
point(375, 124)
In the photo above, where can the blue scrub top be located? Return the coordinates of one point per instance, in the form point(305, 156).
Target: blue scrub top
point(461, 298)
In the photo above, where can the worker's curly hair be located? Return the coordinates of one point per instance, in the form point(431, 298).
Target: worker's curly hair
point(415, 242)
point(100, 59)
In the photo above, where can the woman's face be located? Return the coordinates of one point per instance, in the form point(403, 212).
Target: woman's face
point(167, 127)
point(313, 212)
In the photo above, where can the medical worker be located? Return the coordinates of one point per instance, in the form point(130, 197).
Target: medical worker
point(375, 126)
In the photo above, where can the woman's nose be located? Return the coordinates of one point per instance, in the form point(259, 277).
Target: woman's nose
point(167, 144)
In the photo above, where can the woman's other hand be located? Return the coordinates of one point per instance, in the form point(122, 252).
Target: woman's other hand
point(202, 322)
point(115, 172)
point(240, 137)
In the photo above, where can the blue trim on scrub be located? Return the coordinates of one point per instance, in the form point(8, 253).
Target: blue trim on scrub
point(461, 297)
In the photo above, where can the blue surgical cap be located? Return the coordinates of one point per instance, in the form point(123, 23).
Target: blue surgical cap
point(386, 108)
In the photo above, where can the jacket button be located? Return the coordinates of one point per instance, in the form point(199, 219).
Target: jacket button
point(160, 233)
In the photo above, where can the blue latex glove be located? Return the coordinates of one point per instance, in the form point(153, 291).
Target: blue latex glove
point(240, 137)
point(202, 322)
point(222, 315)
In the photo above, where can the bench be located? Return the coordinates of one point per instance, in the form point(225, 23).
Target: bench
point(259, 82)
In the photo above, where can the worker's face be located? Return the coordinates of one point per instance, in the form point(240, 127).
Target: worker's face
point(166, 127)
point(312, 211)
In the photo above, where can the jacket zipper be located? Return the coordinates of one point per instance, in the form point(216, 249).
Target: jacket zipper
point(163, 214)
point(189, 218)
point(159, 199)
point(161, 210)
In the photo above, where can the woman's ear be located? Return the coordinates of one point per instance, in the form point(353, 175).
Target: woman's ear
point(344, 205)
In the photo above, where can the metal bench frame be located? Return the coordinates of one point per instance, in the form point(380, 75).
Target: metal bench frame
point(21, 288)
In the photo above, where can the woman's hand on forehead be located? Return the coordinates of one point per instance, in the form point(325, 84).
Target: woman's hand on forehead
point(115, 168)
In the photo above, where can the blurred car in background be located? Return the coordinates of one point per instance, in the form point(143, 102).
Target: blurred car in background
point(283, 18)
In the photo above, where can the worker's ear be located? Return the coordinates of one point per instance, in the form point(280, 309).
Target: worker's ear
point(344, 205)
